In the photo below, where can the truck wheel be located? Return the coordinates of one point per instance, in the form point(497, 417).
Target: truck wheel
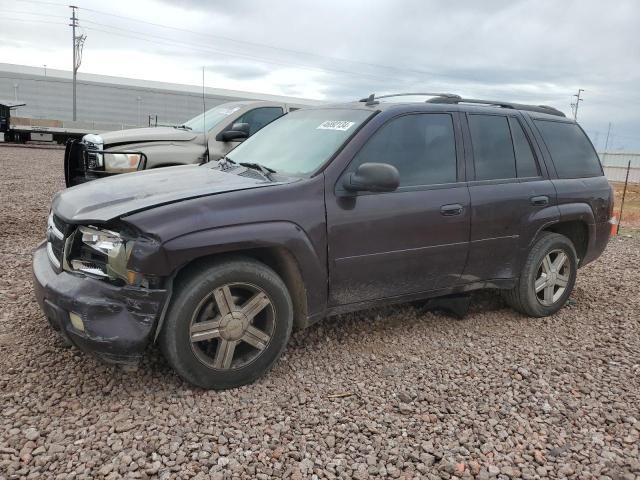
point(228, 323)
point(547, 278)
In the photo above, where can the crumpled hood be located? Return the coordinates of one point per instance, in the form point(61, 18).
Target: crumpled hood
point(108, 198)
point(152, 134)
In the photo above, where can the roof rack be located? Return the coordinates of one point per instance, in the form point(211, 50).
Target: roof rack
point(371, 99)
point(496, 103)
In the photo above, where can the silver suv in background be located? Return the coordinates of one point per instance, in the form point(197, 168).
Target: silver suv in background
point(208, 136)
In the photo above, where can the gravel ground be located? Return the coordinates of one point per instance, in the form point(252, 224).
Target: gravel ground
point(393, 392)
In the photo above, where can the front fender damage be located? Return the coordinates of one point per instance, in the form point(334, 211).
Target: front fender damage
point(117, 322)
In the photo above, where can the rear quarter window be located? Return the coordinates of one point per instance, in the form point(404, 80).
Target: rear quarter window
point(570, 149)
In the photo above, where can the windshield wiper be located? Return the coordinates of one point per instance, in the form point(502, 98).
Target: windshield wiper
point(183, 127)
point(258, 166)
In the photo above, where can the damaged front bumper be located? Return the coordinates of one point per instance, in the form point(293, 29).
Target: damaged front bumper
point(113, 323)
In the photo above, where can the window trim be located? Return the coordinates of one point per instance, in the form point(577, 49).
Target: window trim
point(490, 181)
point(536, 161)
point(252, 110)
point(459, 156)
point(535, 121)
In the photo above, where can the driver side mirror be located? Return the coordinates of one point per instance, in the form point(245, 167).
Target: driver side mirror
point(372, 177)
point(238, 131)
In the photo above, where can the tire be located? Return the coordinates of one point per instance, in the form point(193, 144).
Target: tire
point(524, 298)
point(213, 337)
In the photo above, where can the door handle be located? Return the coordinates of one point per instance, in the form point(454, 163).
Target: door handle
point(540, 201)
point(450, 210)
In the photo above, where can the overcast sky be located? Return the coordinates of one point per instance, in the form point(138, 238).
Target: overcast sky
point(538, 51)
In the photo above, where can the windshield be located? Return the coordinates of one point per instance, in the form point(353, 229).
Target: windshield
point(300, 142)
point(206, 121)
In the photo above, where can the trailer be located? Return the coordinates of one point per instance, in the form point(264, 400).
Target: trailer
point(20, 133)
point(15, 129)
point(6, 133)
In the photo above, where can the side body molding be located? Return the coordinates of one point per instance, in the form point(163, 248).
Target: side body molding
point(178, 252)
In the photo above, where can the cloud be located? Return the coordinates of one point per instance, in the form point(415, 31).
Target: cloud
point(239, 71)
point(538, 51)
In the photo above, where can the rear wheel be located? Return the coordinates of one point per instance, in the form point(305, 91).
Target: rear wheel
point(228, 324)
point(547, 278)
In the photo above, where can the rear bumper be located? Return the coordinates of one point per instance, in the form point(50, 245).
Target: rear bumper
point(117, 322)
point(598, 240)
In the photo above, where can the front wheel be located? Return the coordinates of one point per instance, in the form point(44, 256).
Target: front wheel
point(547, 278)
point(227, 324)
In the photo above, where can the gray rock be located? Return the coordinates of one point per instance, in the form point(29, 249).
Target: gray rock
point(31, 434)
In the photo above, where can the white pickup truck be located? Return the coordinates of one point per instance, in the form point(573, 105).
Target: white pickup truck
point(209, 136)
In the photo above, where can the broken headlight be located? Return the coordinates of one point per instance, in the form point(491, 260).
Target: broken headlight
point(101, 253)
point(121, 162)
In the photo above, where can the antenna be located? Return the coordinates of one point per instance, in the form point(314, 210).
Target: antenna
point(204, 120)
point(204, 109)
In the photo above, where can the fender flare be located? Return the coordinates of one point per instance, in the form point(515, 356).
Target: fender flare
point(173, 255)
point(577, 211)
point(570, 212)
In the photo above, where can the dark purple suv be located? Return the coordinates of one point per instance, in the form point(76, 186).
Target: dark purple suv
point(324, 211)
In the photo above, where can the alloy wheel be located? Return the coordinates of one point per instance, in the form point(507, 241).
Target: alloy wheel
point(552, 277)
point(232, 326)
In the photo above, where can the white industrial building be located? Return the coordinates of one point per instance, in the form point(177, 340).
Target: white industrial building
point(104, 101)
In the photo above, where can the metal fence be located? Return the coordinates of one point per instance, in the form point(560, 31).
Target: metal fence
point(619, 174)
point(616, 164)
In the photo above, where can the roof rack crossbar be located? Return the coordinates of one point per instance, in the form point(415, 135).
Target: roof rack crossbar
point(371, 99)
point(516, 106)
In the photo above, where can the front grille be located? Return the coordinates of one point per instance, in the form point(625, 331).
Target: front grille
point(57, 231)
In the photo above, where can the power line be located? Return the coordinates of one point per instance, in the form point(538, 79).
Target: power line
point(263, 45)
point(247, 43)
point(262, 59)
point(251, 44)
point(43, 2)
point(270, 47)
point(32, 13)
point(178, 43)
point(30, 20)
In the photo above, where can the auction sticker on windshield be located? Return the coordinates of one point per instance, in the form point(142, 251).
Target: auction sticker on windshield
point(335, 125)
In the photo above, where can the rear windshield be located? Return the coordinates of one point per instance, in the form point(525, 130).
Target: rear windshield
point(571, 151)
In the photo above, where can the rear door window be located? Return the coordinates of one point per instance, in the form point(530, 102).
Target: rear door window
point(526, 164)
point(570, 149)
point(492, 147)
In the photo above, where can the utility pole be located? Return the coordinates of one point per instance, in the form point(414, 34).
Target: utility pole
point(606, 143)
point(78, 43)
point(606, 146)
point(574, 106)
